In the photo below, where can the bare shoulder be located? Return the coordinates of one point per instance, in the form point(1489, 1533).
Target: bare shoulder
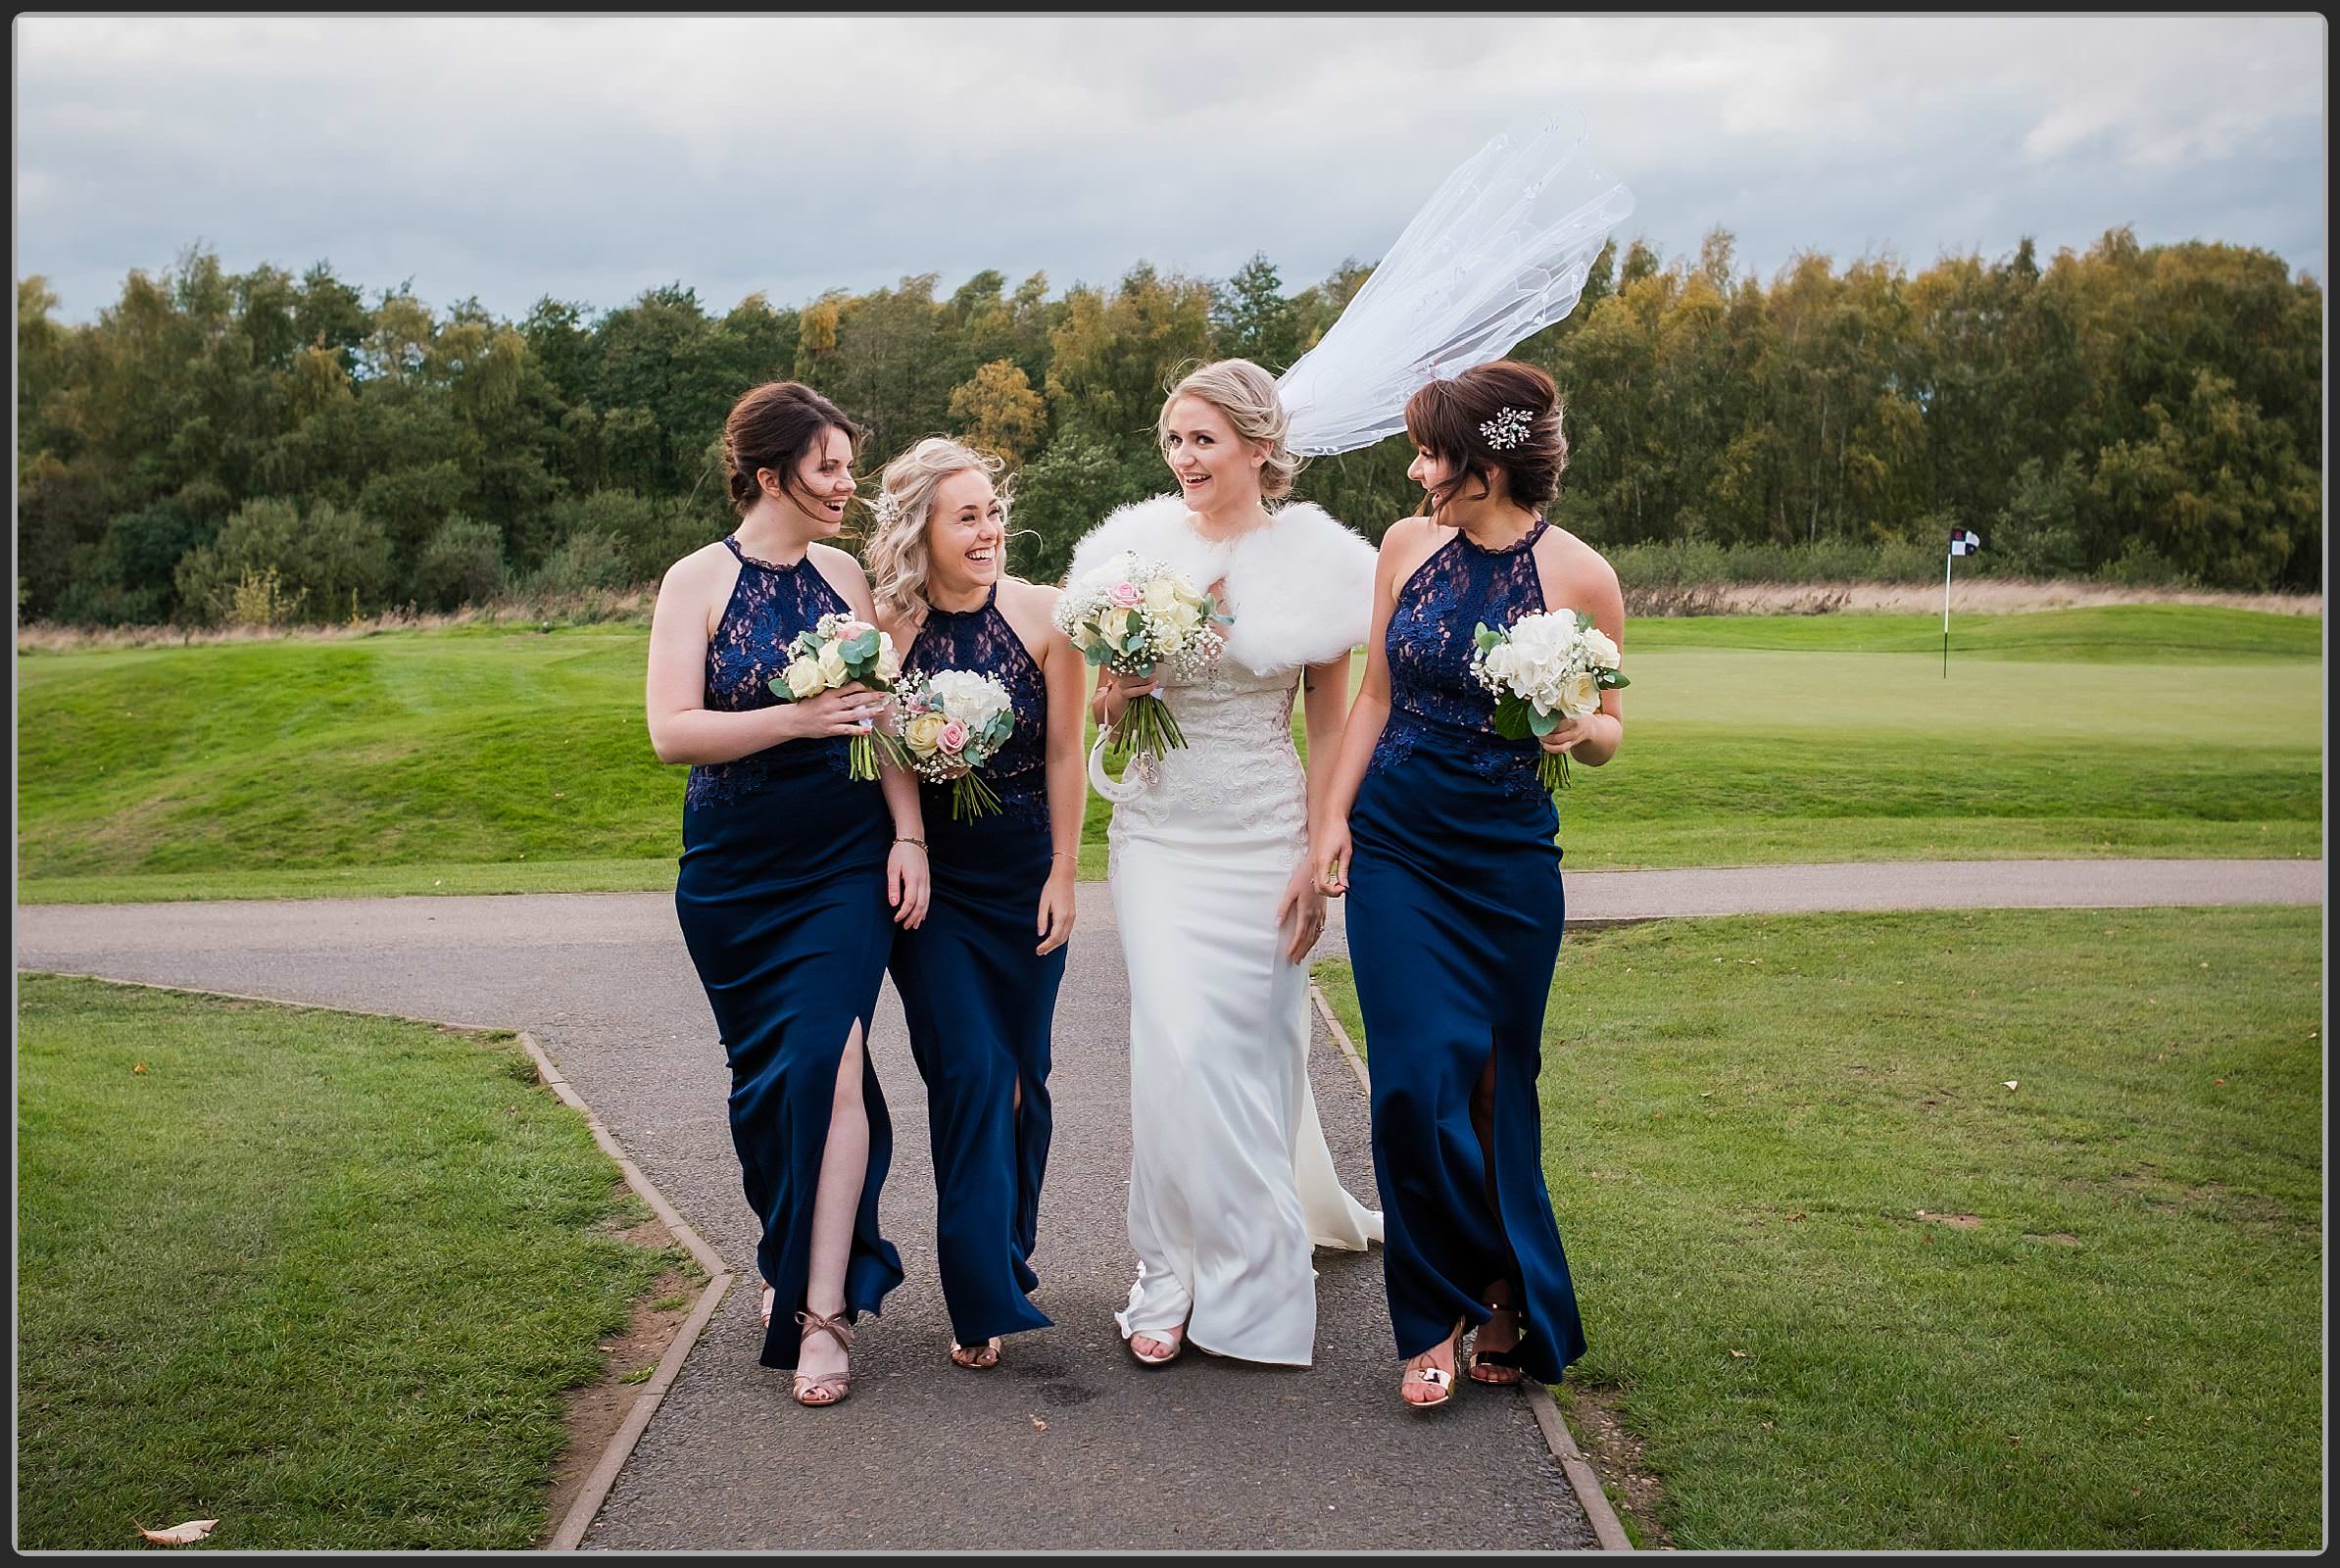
point(841, 570)
point(1030, 608)
point(1039, 598)
point(704, 571)
point(1576, 571)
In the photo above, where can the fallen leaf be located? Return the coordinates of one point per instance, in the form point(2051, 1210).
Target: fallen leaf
point(1741, 1354)
point(1038, 1425)
point(179, 1535)
point(2218, 1080)
point(1766, 1426)
point(139, 1067)
point(2009, 1081)
point(1795, 1216)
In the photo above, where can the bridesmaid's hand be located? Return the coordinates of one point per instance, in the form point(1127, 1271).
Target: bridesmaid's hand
point(1056, 908)
point(846, 710)
point(906, 886)
point(1328, 854)
point(1568, 735)
point(1301, 914)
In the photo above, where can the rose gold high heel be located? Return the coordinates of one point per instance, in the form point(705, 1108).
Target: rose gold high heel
point(834, 1385)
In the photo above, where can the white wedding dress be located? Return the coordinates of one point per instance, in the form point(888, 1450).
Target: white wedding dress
point(1230, 1182)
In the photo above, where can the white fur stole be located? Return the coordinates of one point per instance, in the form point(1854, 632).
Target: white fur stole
point(1300, 589)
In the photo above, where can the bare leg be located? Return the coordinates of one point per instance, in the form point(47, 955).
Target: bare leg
point(843, 1163)
point(1501, 1331)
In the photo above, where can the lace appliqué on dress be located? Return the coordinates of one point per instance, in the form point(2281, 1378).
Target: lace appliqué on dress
point(1434, 697)
point(982, 640)
point(769, 606)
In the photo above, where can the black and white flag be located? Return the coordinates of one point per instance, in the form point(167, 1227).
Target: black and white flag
point(1965, 541)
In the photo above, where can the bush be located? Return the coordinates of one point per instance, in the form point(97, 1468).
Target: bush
point(584, 561)
point(461, 563)
point(331, 562)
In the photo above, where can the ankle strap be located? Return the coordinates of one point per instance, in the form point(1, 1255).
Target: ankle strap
point(834, 1327)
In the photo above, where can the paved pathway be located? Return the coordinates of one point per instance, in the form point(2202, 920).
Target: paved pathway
point(1202, 1454)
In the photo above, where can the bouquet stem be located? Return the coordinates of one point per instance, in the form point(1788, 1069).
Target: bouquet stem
point(1147, 725)
point(1553, 770)
point(971, 798)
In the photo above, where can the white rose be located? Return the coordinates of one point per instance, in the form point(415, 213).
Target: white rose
point(1599, 652)
point(832, 665)
point(1580, 694)
point(889, 658)
point(1160, 596)
point(803, 678)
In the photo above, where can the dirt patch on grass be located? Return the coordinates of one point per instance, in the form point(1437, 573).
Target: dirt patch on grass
point(1615, 1455)
point(597, 1409)
point(1960, 1222)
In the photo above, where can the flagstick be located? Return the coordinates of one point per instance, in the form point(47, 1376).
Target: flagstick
point(1946, 559)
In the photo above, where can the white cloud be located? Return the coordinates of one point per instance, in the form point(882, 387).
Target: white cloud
point(592, 157)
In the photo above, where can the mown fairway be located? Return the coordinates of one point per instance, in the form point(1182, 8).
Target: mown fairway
point(1963, 1232)
point(500, 761)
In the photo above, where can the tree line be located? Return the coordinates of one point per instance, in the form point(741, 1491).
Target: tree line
point(261, 445)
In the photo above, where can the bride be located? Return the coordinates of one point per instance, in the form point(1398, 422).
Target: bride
point(1230, 1178)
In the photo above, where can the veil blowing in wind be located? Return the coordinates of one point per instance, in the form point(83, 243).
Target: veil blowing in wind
point(1499, 251)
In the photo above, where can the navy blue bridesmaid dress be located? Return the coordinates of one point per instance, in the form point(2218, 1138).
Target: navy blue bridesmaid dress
point(781, 894)
point(979, 1001)
point(1455, 914)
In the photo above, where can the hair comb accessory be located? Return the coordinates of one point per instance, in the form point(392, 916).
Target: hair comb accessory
point(1507, 429)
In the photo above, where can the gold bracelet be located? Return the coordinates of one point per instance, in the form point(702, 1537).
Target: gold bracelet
point(900, 839)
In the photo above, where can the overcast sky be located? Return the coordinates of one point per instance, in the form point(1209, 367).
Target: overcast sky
point(595, 157)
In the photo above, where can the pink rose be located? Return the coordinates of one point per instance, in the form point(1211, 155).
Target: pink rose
point(1124, 593)
point(954, 738)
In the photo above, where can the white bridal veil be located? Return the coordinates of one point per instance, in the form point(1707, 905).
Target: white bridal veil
point(1499, 251)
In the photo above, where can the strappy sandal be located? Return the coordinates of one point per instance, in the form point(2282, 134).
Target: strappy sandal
point(1429, 1376)
point(977, 1358)
point(1503, 1362)
point(1177, 1346)
point(835, 1385)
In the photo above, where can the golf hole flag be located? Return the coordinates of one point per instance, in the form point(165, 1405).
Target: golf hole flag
point(1963, 542)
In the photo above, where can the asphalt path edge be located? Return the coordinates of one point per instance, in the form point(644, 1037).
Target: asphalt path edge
point(1607, 1530)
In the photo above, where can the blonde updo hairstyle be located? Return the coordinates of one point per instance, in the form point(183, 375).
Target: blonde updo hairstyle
point(905, 505)
point(1247, 395)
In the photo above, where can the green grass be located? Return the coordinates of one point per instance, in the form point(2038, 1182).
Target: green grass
point(515, 762)
point(321, 1277)
point(2118, 1345)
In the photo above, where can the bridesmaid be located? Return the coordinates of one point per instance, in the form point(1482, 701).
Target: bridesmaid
point(789, 872)
point(979, 978)
point(1458, 912)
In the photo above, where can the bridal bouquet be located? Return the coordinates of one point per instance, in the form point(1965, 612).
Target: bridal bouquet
point(1544, 668)
point(834, 653)
point(1132, 614)
point(952, 722)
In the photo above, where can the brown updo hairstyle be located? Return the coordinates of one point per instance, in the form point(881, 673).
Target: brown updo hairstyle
point(1444, 419)
point(772, 427)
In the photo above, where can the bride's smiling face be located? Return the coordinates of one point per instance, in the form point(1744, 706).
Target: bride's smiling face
point(1216, 468)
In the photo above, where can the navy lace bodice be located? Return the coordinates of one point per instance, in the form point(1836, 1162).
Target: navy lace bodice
point(1434, 697)
point(769, 606)
point(982, 640)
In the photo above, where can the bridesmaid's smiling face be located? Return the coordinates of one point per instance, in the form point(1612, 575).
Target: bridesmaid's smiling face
point(965, 532)
point(1217, 471)
point(816, 495)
